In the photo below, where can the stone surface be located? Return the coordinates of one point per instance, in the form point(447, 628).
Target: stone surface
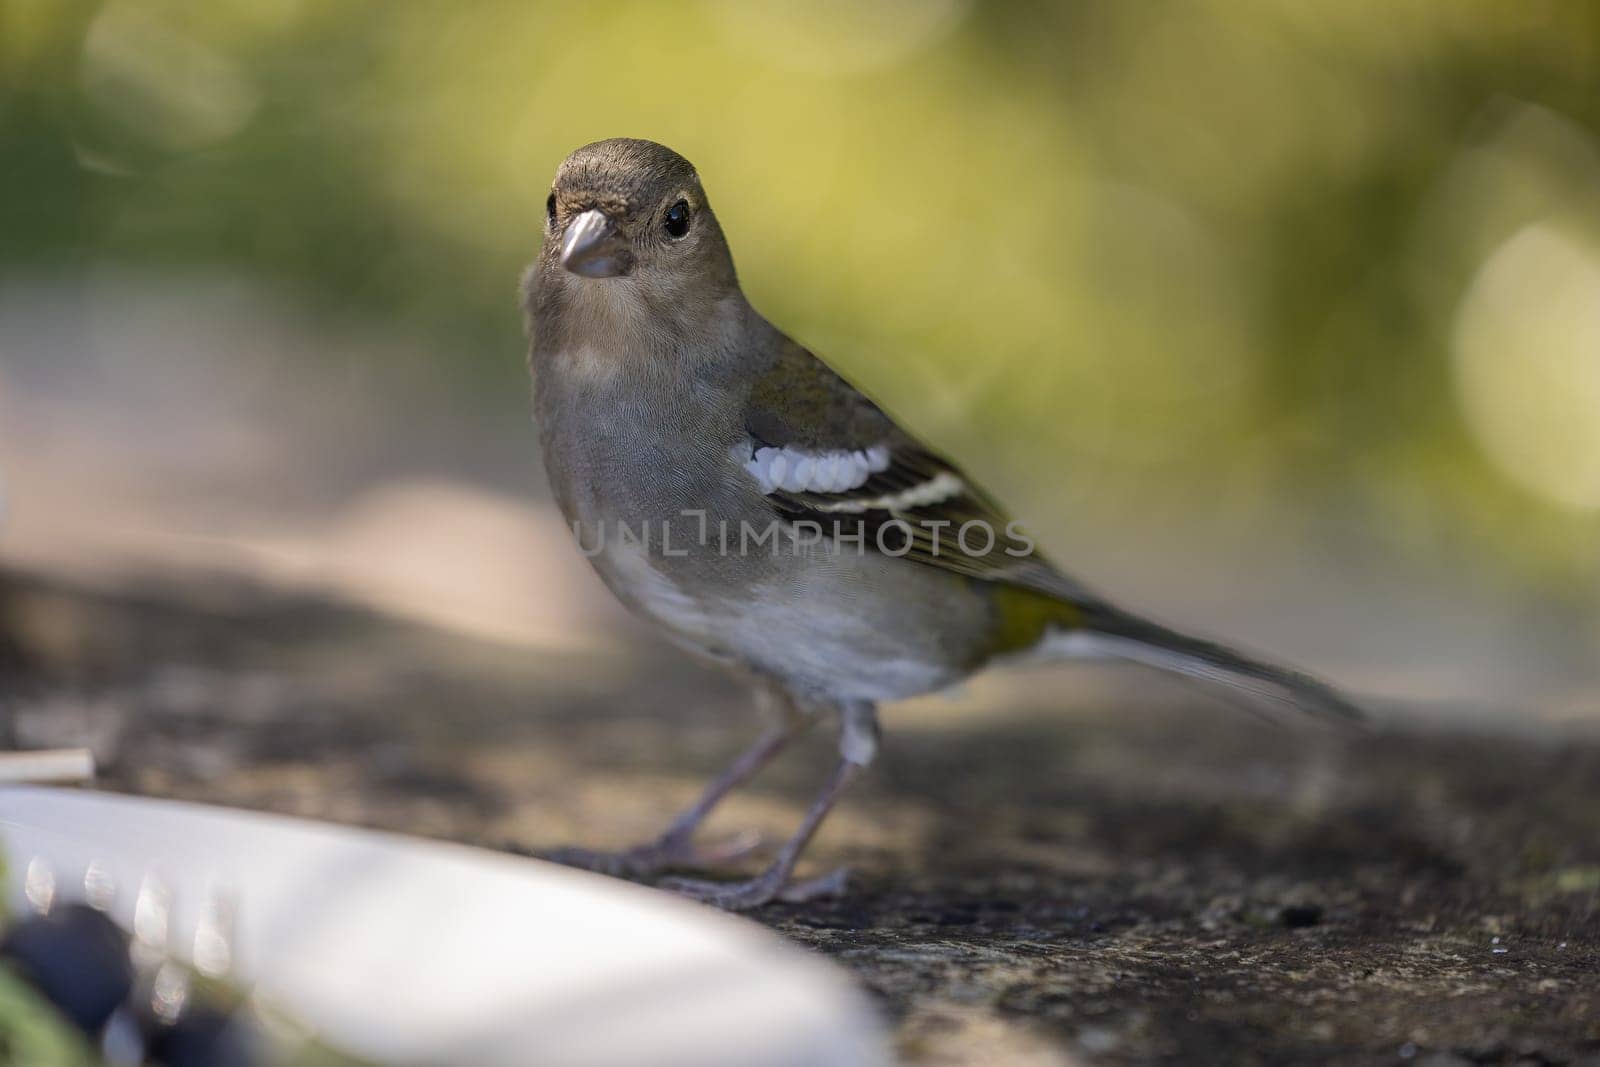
point(1071, 866)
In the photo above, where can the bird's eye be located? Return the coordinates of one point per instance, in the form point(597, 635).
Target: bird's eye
point(677, 220)
point(550, 207)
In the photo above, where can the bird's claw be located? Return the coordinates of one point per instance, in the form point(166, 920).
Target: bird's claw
point(721, 853)
point(827, 886)
point(671, 851)
point(766, 887)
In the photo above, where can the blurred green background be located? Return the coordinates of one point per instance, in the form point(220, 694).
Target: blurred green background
point(1335, 266)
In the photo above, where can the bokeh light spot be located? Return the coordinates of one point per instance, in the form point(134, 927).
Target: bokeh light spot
point(159, 82)
point(1527, 363)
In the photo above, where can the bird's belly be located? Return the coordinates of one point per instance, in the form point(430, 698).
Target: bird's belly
point(841, 624)
point(840, 628)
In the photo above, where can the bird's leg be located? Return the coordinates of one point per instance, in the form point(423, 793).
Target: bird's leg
point(773, 883)
point(676, 847)
point(858, 743)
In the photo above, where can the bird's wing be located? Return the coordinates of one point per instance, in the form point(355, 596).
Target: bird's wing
point(821, 451)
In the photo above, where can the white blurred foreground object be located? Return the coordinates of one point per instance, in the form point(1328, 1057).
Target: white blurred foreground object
point(47, 765)
point(410, 952)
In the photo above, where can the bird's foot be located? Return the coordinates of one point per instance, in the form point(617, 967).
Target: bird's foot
point(772, 884)
point(824, 887)
point(669, 852)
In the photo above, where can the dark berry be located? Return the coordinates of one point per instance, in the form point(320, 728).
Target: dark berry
point(77, 958)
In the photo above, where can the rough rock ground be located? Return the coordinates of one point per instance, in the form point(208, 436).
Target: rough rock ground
point(1072, 866)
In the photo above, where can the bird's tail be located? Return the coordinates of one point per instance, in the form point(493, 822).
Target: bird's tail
point(1103, 630)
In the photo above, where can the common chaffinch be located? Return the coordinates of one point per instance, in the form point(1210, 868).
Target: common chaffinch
point(731, 487)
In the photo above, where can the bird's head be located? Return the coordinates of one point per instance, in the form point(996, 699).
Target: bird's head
point(629, 218)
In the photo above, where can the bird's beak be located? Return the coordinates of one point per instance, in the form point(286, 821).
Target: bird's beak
point(593, 248)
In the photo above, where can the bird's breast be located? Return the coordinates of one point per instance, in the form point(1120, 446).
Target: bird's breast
point(652, 466)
